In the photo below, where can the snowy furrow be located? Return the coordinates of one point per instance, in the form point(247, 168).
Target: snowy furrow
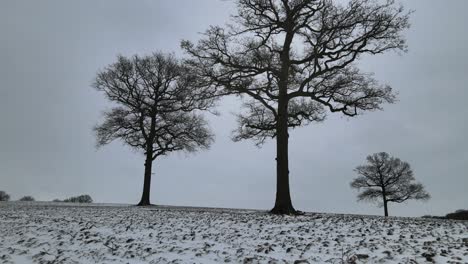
point(56, 233)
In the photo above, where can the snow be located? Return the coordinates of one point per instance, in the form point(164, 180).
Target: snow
point(64, 233)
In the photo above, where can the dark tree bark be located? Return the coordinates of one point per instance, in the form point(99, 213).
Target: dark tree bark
point(295, 60)
point(283, 203)
point(387, 179)
point(384, 194)
point(145, 197)
point(158, 109)
point(385, 208)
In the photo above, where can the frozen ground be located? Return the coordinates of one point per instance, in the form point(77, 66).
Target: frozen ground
point(57, 233)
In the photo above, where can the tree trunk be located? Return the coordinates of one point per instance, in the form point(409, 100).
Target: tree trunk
point(385, 208)
point(283, 204)
point(384, 197)
point(145, 197)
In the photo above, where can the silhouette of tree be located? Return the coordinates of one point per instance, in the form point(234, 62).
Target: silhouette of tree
point(157, 109)
point(293, 60)
point(458, 215)
point(27, 199)
point(387, 179)
point(79, 199)
point(4, 197)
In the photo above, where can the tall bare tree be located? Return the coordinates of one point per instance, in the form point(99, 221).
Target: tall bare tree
point(157, 109)
point(387, 179)
point(294, 59)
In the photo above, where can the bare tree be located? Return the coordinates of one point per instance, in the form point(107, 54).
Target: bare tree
point(387, 179)
point(293, 60)
point(157, 109)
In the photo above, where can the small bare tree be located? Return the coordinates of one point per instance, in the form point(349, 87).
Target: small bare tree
point(294, 59)
point(157, 109)
point(387, 179)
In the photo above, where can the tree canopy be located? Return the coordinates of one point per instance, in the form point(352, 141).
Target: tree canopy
point(155, 105)
point(302, 50)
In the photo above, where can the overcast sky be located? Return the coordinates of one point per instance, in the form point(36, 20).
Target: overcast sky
point(51, 50)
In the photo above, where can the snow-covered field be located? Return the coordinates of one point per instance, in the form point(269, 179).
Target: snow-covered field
point(58, 233)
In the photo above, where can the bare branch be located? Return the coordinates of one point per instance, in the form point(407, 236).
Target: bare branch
point(298, 51)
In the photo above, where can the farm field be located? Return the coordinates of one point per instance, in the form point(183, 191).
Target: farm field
point(64, 233)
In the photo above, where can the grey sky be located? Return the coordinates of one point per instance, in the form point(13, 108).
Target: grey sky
point(51, 50)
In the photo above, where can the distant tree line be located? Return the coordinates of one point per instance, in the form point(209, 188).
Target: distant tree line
point(460, 214)
point(27, 199)
point(4, 197)
point(76, 199)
